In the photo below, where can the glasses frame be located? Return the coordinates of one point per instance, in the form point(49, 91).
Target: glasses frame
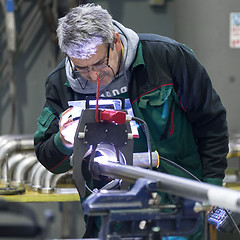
point(94, 68)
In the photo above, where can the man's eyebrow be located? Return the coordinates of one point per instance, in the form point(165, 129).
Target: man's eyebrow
point(96, 63)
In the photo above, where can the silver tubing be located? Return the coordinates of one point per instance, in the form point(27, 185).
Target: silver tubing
point(197, 191)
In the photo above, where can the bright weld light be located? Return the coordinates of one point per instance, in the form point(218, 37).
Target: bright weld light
point(101, 159)
point(108, 153)
point(106, 158)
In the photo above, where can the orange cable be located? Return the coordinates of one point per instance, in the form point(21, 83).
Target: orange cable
point(97, 98)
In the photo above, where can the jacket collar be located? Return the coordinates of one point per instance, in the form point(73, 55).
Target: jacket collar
point(139, 57)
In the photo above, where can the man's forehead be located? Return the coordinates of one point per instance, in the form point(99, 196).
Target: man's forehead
point(90, 48)
point(91, 56)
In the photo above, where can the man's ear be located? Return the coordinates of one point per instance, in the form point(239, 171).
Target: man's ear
point(117, 42)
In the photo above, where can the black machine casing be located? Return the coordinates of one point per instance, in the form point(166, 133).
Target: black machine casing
point(89, 134)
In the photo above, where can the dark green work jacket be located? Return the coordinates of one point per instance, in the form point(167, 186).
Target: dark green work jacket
point(172, 92)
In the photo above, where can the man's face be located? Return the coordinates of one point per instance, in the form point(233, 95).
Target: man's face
point(103, 64)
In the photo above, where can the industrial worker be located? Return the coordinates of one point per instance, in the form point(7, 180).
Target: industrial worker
point(167, 86)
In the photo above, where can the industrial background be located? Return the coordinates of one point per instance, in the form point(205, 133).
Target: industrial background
point(27, 57)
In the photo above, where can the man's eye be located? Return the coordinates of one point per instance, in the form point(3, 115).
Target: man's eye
point(81, 69)
point(100, 65)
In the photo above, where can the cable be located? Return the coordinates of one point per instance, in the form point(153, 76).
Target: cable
point(97, 98)
point(180, 167)
point(88, 188)
point(146, 131)
point(234, 222)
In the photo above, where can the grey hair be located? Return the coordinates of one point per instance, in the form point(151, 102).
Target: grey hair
point(83, 28)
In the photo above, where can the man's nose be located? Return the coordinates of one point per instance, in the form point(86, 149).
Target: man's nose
point(93, 74)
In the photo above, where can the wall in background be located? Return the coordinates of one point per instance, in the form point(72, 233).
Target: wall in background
point(33, 60)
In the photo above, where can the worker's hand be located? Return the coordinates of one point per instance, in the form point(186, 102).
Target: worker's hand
point(67, 128)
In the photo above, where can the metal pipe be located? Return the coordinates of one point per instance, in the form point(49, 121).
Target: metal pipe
point(11, 144)
point(49, 181)
point(47, 185)
point(12, 162)
point(197, 191)
point(142, 159)
point(21, 169)
point(36, 177)
point(32, 173)
point(44, 181)
point(6, 138)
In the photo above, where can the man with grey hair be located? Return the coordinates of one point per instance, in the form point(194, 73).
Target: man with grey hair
point(167, 86)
